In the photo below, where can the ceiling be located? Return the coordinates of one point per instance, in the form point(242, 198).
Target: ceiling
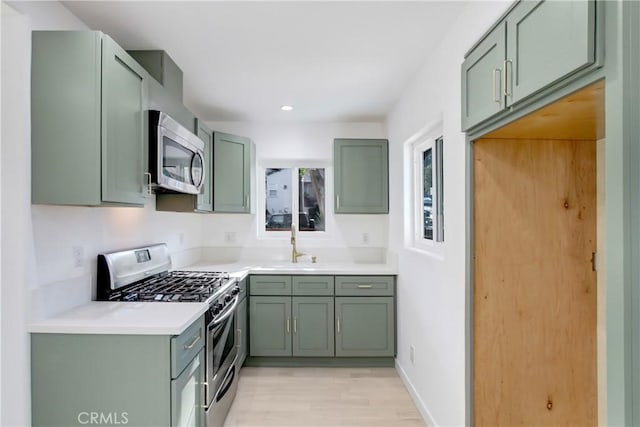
point(336, 61)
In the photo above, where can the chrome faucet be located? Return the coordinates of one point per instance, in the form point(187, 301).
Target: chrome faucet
point(294, 252)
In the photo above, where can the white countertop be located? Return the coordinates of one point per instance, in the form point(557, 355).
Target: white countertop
point(242, 269)
point(125, 318)
point(160, 318)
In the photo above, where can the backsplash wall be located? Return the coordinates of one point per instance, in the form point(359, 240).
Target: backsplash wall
point(294, 143)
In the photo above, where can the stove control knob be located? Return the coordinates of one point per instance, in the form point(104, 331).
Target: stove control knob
point(228, 298)
point(235, 291)
point(216, 308)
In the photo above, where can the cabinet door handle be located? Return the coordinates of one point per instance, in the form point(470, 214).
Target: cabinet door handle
point(246, 201)
point(365, 286)
point(505, 78)
point(295, 325)
point(239, 334)
point(495, 97)
point(338, 324)
point(192, 343)
point(338, 202)
point(147, 190)
point(288, 325)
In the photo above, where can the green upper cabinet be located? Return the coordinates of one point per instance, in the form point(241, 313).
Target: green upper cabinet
point(536, 45)
point(482, 96)
point(547, 40)
point(162, 68)
point(204, 200)
point(231, 173)
point(88, 121)
point(361, 184)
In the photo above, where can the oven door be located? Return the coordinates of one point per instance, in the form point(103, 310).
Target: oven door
point(221, 350)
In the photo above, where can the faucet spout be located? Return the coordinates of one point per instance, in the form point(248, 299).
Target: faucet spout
point(294, 251)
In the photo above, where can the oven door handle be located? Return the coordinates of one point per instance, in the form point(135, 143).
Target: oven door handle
point(225, 315)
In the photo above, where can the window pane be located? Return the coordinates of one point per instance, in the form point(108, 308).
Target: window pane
point(440, 190)
point(427, 196)
point(278, 199)
point(311, 200)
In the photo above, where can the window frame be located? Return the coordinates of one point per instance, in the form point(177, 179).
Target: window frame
point(429, 138)
point(295, 165)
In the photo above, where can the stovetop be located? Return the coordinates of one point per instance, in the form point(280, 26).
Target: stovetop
point(174, 286)
point(144, 274)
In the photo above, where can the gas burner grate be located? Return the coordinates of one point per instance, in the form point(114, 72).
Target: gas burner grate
point(174, 286)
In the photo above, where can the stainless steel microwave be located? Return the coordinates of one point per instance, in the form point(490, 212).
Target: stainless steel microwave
point(176, 155)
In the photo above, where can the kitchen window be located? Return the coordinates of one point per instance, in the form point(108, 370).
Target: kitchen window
point(299, 190)
point(426, 195)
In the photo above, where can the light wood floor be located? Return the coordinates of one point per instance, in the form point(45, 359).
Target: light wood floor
point(309, 397)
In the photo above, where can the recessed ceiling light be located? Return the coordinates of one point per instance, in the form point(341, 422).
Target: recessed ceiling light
point(286, 107)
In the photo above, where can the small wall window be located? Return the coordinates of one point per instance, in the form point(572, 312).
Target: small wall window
point(427, 191)
point(296, 190)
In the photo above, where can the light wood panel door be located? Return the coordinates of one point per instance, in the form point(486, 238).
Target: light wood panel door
point(534, 287)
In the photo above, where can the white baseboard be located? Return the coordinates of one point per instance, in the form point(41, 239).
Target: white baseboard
point(426, 415)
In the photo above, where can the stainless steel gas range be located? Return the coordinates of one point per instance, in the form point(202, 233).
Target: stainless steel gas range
point(144, 275)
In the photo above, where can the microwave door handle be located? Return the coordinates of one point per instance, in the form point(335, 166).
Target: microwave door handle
point(193, 162)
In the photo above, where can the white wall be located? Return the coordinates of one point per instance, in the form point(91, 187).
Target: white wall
point(288, 143)
point(16, 223)
point(431, 291)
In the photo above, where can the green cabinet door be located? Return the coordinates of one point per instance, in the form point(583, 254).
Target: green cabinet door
point(482, 78)
point(205, 198)
point(313, 326)
point(187, 399)
point(123, 126)
point(73, 375)
point(546, 41)
point(241, 322)
point(65, 117)
point(365, 326)
point(270, 325)
point(361, 183)
point(88, 121)
point(232, 173)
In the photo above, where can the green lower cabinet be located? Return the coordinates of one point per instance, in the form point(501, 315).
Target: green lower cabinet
point(241, 322)
point(187, 396)
point(299, 317)
point(80, 379)
point(365, 326)
point(313, 326)
point(270, 325)
point(291, 326)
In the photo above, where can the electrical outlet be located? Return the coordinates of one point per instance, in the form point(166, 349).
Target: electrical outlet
point(365, 238)
point(77, 252)
point(230, 237)
point(411, 353)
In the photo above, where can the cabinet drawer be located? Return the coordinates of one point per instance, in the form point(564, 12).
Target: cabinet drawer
point(185, 346)
point(313, 285)
point(270, 285)
point(365, 285)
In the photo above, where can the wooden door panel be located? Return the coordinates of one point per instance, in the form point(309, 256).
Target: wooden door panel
point(534, 288)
